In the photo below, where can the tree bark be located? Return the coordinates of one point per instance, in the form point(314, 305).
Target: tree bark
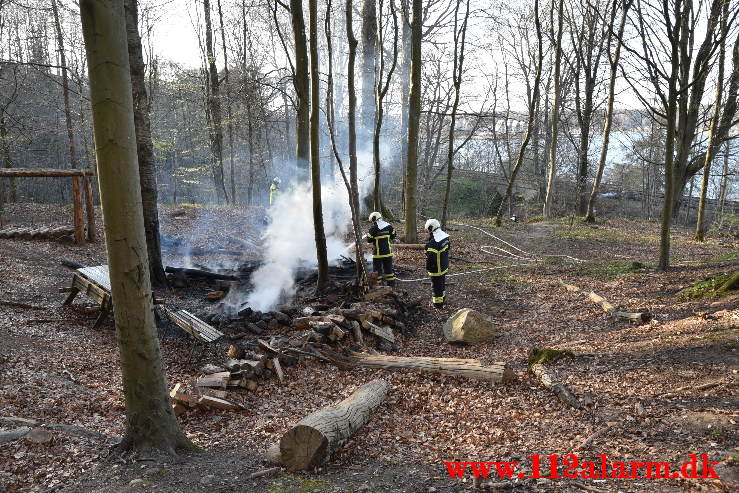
point(555, 111)
point(145, 149)
point(214, 106)
point(301, 83)
point(229, 115)
point(315, 156)
point(315, 438)
point(150, 422)
point(414, 116)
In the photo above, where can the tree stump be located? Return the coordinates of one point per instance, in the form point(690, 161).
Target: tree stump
point(316, 437)
point(469, 326)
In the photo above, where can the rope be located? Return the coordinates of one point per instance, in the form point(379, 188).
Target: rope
point(464, 273)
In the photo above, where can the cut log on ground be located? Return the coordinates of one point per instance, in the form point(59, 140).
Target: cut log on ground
point(560, 390)
point(468, 368)
point(610, 308)
point(383, 332)
point(199, 273)
point(316, 437)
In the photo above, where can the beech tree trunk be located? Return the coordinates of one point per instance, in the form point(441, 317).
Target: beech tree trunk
point(315, 144)
point(369, 54)
point(414, 117)
point(150, 421)
point(145, 149)
point(321, 434)
point(301, 83)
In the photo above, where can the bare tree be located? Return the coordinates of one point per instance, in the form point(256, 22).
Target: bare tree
point(301, 82)
point(533, 104)
point(555, 107)
point(214, 107)
point(380, 92)
point(145, 148)
point(150, 421)
point(370, 50)
point(65, 86)
point(613, 59)
point(459, 35)
point(229, 112)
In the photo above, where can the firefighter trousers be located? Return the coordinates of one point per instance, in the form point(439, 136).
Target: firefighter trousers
point(437, 284)
point(384, 267)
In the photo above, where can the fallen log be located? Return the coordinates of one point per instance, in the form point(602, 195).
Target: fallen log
point(383, 332)
point(313, 440)
point(610, 308)
point(468, 368)
point(560, 390)
point(199, 273)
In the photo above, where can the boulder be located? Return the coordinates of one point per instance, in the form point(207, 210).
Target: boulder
point(467, 325)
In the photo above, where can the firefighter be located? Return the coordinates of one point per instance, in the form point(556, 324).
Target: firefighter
point(274, 190)
point(437, 260)
point(381, 233)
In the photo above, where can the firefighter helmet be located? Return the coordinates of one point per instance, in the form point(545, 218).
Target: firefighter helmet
point(277, 180)
point(375, 216)
point(432, 225)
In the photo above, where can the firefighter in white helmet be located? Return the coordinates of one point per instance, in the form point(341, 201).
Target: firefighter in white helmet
point(381, 234)
point(437, 260)
point(274, 190)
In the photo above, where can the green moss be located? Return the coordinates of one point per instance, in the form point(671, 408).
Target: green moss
point(546, 355)
point(296, 484)
point(535, 219)
point(705, 288)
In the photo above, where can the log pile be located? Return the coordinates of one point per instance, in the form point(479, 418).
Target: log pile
point(37, 233)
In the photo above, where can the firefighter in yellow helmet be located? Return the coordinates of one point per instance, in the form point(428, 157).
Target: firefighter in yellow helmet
point(381, 234)
point(274, 190)
point(437, 260)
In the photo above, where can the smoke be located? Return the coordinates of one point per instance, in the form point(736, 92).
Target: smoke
point(289, 242)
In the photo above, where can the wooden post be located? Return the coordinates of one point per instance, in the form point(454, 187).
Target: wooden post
point(90, 206)
point(79, 228)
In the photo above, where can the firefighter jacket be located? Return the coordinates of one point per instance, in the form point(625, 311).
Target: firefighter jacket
point(437, 253)
point(274, 191)
point(380, 234)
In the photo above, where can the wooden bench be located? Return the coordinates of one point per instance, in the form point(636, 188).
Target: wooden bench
point(95, 283)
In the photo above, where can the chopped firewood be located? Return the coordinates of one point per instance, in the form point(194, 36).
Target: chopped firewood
point(236, 352)
point(217, 403)
point(278, 369)
point(215, 295)
point(377, 293)
point(269, 364)
point(315, 438)
point(220, 394)
point(610, 308)
point(560, 390)
point(357, 332)
point(469, 368)
point(209, 369)
point(181, 397)
point(384, 332)
point(219, 380)
point(249, 385)
point(267, 348)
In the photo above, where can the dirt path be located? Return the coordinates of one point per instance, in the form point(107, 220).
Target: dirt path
point(56, 370)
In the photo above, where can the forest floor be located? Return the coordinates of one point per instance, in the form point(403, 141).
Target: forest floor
point(55, 369)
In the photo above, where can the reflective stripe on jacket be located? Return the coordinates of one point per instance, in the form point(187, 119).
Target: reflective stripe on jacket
point(437, 256)
point(274, 190)
point(381, 239)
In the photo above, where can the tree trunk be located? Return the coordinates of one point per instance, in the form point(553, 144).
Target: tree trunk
point(150, 422)
point(405, 71)
point(315, 156)
point(65, 86)
point(532, 117)
point(214, 105)
point(318, 436)
point(369, 46)
point(7, 160)
point(302, 89)
point(145, 150)
point(229, 115)
point(614, 60)
point(555, 112)
point(457, 71)
point(731, 284)
point(414, 116)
